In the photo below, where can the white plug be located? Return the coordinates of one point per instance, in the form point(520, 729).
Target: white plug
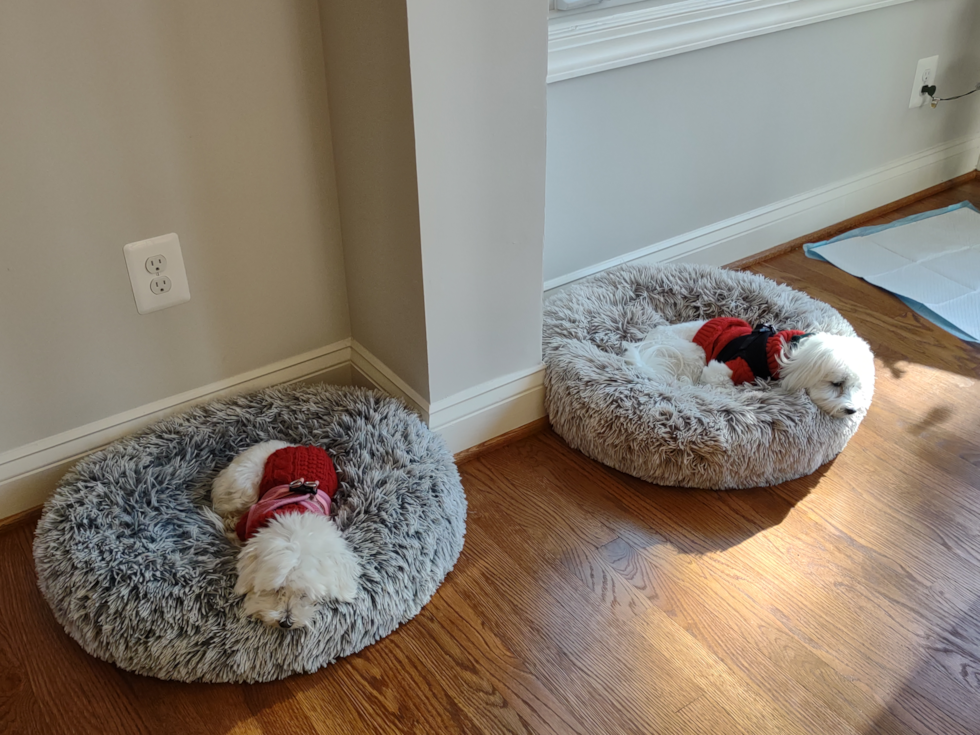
point(925, 75)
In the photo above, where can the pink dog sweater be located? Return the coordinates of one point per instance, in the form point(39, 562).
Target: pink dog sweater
point(295, 480)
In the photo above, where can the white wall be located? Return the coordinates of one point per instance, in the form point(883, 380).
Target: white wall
point(122, 120)
point(370, 90)
point(648, 152)
point(478, 91)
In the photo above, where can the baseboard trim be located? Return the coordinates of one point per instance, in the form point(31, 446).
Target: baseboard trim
point(846, 225)
point(490, 409)
point(521, 432)
point(384, 379)
point(752, 233)
point(31, 515)
point(29, 473)
point(472, 417)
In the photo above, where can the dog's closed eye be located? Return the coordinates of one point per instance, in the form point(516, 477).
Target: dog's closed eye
point(838, 384)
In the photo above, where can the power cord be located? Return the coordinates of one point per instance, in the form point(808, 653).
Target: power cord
point(930, 89)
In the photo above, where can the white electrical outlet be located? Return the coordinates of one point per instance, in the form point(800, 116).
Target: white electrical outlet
point(925, 74)
point(156, 271)
point(160, 285)
point(156, 264)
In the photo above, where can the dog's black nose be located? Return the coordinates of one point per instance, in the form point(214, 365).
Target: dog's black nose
point(850, 411)
point(286, 623)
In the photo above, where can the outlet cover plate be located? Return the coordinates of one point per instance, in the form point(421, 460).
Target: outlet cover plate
point(925, 73)
point(137, 254)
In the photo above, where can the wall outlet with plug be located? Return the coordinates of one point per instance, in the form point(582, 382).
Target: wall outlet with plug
point(925, 76)
point(156, 272)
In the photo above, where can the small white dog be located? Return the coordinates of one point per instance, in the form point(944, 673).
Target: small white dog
point(293, 556)
point(836, 372)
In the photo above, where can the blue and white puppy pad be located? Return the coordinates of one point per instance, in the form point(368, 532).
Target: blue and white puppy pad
point(931, 261)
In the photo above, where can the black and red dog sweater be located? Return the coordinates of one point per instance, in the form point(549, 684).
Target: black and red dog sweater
point(749, 353)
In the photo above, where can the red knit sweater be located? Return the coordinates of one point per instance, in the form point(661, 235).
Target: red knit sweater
point(716, 334)
point(281, 468)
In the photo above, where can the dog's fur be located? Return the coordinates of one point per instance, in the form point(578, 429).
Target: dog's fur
point(837, 372)
point(291, 564)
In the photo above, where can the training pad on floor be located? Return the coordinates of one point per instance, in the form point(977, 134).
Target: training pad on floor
point(671, 433)
point(931, 261)
point(139, 575)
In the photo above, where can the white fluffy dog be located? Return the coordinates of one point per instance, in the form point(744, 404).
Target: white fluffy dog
point(295, 559)
point(836, 372)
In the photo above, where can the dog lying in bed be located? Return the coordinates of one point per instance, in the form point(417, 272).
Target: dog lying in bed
point(837, 372)
point(273, 501)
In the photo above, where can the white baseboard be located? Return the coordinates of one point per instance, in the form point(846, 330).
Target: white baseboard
point(493, 408)
point(28, 474)
point(756, 231)
point(469, 417)
point(384, 379)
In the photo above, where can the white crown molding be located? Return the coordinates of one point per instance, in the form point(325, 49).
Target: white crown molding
point(587, 43)
point(766, 227)
point(28, 473)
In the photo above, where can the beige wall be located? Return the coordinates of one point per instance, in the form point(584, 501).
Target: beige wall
point(366, 55)
point(125, 119)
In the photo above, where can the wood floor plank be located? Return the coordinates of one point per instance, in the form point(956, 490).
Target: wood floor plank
point(618, 667)
point(817, 715)
point(661, 511)
point(703, 668)
point(852, 626)
point(587, 601)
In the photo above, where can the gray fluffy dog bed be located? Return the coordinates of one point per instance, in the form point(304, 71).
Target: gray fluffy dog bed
point(139, 576)
point(673, 434)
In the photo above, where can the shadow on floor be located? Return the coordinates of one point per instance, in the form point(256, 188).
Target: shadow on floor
point(942, 693)
point(705, 521)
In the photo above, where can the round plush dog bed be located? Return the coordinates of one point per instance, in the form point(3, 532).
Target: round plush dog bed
point(673, 434)
point(131, 561)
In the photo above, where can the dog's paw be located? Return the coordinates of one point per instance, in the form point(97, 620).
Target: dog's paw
point(717, 374)
point(631, 355)
point(296, 562)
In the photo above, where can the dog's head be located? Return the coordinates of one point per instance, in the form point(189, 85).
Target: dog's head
point(837, 372)
point(293, 564)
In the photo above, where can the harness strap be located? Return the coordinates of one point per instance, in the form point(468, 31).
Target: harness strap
point(279, 498)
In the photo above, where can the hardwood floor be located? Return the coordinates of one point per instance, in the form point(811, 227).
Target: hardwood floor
point(587, 601)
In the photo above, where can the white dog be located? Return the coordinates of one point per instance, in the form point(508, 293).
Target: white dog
point(836, 372)
point(293, 555)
